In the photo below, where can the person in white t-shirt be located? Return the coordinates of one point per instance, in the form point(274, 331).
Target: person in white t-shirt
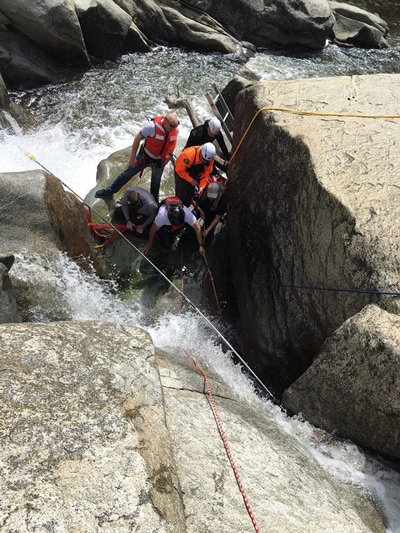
point(171, 218)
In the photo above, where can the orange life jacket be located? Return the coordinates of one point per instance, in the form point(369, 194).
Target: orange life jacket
point(162, 143)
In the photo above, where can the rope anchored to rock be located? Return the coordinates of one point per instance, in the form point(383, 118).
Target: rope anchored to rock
point(310, 113)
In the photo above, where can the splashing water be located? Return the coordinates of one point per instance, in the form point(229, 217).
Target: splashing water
point(57, 291)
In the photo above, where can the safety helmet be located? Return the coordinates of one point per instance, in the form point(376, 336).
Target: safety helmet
point(176, 215)
point(215, 126)
point(207, 151)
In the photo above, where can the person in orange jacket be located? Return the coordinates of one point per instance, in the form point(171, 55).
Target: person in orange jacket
point(193, 169)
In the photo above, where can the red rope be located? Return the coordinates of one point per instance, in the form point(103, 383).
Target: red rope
point(215, 291)
point(106, 227)
point(221, 431)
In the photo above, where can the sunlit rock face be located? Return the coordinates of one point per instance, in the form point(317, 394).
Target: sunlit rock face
point(314, 202)
point(99, 432)
point(352, 388)
point(39, 217)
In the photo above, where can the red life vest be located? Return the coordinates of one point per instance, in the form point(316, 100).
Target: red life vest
point(174, 201)
point(162, 143)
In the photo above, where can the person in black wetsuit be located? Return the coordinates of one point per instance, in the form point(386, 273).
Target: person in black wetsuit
point(212, 206)
point(138, 209)
point(210, 131)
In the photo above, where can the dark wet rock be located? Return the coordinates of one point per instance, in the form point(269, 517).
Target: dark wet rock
point(358, 27)
point(8, 305)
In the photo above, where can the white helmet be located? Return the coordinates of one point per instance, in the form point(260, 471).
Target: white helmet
point(207, 151)
point(215, 126)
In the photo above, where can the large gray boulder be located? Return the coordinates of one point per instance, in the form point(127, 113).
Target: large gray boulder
point(52, 24)
point(115, 438)
point(8, 305)
point(352, 388)
point(104, 26)
point(281, 22)
point(314, 202)
point(358, 27)
point(24, 63)
point(37, 216)
point(183, 24)
point(86, 430)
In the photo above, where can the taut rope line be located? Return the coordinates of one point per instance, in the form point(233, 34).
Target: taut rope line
point(183, 295)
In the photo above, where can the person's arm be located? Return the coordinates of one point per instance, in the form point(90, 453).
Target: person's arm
point(151, 212)
point(197, 228)
point(153, 230)
point(181, 167)
point(135, 146)
point(222, 145)
point(217, 218)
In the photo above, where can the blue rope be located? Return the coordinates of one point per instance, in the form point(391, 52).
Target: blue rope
point(217, 277)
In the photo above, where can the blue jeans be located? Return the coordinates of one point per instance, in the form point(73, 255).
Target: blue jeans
point(126, 175)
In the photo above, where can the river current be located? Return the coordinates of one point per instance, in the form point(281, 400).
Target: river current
point(84, 121)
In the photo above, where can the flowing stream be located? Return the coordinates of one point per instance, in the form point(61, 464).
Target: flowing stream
point(84, 121)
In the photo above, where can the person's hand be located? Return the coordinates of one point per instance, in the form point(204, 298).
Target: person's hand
point(146, 248)
point(205, 233)
point(130, 225)
point(202, 250)
point(133, 161)
point(140, 229)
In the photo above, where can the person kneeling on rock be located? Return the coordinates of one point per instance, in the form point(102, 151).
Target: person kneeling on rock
point(138, 208)
point(171, 218)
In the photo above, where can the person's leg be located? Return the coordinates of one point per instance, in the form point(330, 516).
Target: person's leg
point(165, 236)
point(123, 178)
point(119, 215)
point(184, 190)
point(156, 173)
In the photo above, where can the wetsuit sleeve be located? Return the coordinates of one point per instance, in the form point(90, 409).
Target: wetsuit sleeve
point(150, 209)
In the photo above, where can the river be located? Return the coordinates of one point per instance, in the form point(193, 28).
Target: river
point(84, 121)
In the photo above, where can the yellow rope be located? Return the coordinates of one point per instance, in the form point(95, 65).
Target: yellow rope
point(313, 113)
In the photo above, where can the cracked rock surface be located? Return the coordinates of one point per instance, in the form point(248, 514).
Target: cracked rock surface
point(100, 434)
